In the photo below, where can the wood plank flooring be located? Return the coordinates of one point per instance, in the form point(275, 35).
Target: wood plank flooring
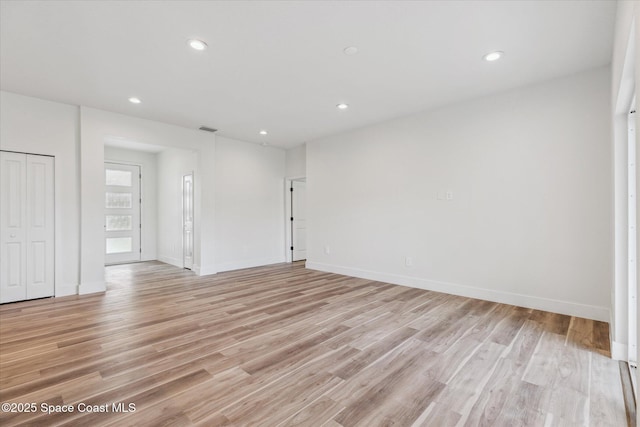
point(286, 346)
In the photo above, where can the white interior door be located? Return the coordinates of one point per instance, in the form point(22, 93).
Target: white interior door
point(26, 226)
point(122, 213)
point(187, 221)
point(298, 222)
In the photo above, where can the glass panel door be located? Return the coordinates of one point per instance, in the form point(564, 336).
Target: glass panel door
point(187, 221)
point(122, 213)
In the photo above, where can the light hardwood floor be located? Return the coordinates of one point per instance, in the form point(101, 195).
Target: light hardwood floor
point(283, 345)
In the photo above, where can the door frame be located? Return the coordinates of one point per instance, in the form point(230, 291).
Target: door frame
point(632, 240)
point(288, 242)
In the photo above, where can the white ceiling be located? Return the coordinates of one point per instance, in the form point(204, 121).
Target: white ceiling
point(280, 66)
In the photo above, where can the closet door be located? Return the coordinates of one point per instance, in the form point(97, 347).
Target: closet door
point(40, 226)
point(26, 227)
point(13, 205)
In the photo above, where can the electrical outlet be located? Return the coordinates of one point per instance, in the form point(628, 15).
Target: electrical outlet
point(449, 195)
point(327, 250)
point(408, 261)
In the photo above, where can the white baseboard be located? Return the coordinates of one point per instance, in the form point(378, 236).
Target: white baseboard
point(226, 266)
point(528, 301)
point(170, 260)
point(619, 351)
point(66, 290)
point(248, 263)
point(204, 271)
point(92, 288)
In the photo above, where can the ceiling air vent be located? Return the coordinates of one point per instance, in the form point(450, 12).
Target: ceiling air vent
point(207, 129)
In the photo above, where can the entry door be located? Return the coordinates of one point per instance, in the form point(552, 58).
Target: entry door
point(27, 226)
point(122, 213)
point(299, 223)
point(187, 221)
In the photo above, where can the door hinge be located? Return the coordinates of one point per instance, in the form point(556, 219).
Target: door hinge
point(291, 189)
point(291, 247)
point(291, 218)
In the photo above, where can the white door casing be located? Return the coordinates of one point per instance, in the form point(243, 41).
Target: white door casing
point(299, 223)
point(632, 240)
point(26, 226)
point(122, 224)
point(187, 221)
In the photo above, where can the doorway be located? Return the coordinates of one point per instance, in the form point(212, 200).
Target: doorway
point(27, 226)
point(122, 223)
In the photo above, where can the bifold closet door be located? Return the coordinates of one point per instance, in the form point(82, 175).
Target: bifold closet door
point(26, 226)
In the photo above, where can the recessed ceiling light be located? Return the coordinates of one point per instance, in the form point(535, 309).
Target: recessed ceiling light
point(493, 56)
point(342, 106)
point(134, 100)
point(263, 132)
point(208, 129)
point(197, 44)
point(351, 50)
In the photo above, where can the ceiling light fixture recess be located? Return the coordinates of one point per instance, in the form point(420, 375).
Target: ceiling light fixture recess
point(134, 100)
point(263, 132)
point(493, 56)
point(350, 50)
point(342, 106)
point(197, 44)
point(207, 129)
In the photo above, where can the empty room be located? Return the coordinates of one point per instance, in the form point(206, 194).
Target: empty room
point(319, 213)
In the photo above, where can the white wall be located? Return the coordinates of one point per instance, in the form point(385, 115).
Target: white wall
point(628, 12)
point(296, 162)
point(529, 223)
point(91, 202)
point(173, 164)
point(36, 126)
point(148, 165)
point(249, 204)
